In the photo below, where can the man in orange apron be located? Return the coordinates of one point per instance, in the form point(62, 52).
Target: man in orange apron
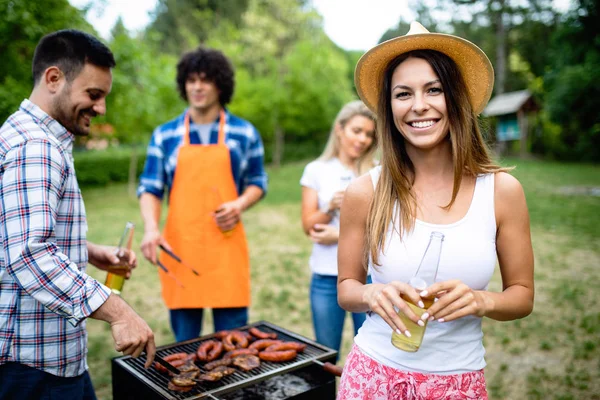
point(210, 163)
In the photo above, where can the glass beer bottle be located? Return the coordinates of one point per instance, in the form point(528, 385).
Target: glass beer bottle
point(113, 281)
point(424, 277)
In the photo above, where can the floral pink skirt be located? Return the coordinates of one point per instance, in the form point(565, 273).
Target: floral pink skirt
point(366, 379)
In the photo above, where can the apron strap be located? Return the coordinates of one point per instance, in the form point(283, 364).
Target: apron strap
point(186, 135)
point(222, 127)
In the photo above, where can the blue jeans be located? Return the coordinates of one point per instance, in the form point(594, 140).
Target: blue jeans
point(187, 322)
point(328, 316)
point(18, 381)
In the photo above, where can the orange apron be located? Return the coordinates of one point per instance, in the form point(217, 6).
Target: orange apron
point(203, 181)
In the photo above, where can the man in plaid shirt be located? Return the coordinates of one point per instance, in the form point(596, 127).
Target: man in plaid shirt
point(45, 294)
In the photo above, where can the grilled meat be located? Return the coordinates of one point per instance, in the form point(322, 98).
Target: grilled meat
point(223, 362)
point(246, 362)
point(183, 382)
point(216, 374)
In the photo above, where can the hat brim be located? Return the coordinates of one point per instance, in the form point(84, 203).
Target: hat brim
point(474, 65)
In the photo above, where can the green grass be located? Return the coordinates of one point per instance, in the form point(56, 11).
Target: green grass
point(554, 201)
point(552, 354)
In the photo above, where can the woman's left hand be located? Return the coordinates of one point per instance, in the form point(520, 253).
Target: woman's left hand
point(324, 234)
point(455, 300)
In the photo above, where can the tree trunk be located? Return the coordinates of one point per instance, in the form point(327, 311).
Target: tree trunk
point(500, 50)
point(132, 179)
point(523, 127)
point(279, 144)
point(279, 132)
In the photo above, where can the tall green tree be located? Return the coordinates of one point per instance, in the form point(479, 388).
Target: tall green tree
point(291, 78)
point(571, 83)
point(183, 24)
point(144, 92)
point(22, 25)
point(506, 19)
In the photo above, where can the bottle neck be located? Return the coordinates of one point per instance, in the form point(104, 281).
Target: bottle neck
point(428, 267)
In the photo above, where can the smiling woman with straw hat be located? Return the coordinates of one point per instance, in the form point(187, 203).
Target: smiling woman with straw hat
point(436, 175)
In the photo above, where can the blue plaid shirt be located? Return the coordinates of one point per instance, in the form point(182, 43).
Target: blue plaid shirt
point(245, 148)
point(45, 294)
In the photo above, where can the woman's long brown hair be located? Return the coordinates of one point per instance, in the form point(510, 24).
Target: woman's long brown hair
point(470, 155)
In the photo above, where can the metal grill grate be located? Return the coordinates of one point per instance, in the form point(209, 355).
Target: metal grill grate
point(158, 381)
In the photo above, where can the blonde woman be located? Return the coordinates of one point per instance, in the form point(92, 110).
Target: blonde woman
point(435, 175)
point(348, 153)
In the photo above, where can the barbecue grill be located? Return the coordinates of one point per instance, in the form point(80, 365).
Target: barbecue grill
point(301, 378)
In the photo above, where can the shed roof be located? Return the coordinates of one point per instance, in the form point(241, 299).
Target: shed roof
point(506, 103)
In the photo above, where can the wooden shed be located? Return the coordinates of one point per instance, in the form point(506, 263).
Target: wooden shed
point(511, 111)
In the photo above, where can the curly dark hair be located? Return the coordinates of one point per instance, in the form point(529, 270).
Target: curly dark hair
point(211, 62)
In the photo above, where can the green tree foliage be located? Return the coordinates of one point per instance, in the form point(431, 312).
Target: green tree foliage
point(183, 24)
point(22, 25)
point(291, 79)
point(502, 27)
point(352, 58)
point(571, 84)
point(144, 92)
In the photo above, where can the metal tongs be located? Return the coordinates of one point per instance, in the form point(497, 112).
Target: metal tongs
point(161, 266)
point(177, 258)
point(166, 364)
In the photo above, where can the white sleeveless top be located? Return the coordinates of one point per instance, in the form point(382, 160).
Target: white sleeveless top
point(468, 254)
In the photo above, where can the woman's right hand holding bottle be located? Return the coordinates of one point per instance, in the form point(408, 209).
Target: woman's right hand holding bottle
point(385, 299)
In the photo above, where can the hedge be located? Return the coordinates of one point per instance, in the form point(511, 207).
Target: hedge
point(100, 167)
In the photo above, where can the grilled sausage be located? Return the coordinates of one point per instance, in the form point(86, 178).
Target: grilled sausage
point(209, 350)
point(299, 347)
point(221, 335)
point(261, 335)
point(235, 340)
point(177, 359)
point(240, 352)
point(263, 344)
point(250, 337)
point(278, 356)
point(184, 364)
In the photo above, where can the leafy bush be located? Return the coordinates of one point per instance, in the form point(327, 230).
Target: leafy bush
point(98, 168)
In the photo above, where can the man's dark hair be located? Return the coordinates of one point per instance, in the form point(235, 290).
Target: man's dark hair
point(69, 50)
point(214, 65)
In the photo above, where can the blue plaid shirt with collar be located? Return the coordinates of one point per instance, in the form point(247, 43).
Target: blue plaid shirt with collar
point(45, 294)
point(242, 139)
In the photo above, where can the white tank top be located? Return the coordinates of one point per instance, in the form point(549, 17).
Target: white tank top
point(468, 254)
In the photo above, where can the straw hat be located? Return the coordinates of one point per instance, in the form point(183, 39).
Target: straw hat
point(474, 65)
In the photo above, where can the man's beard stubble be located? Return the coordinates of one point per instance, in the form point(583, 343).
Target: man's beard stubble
point(62, 112)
